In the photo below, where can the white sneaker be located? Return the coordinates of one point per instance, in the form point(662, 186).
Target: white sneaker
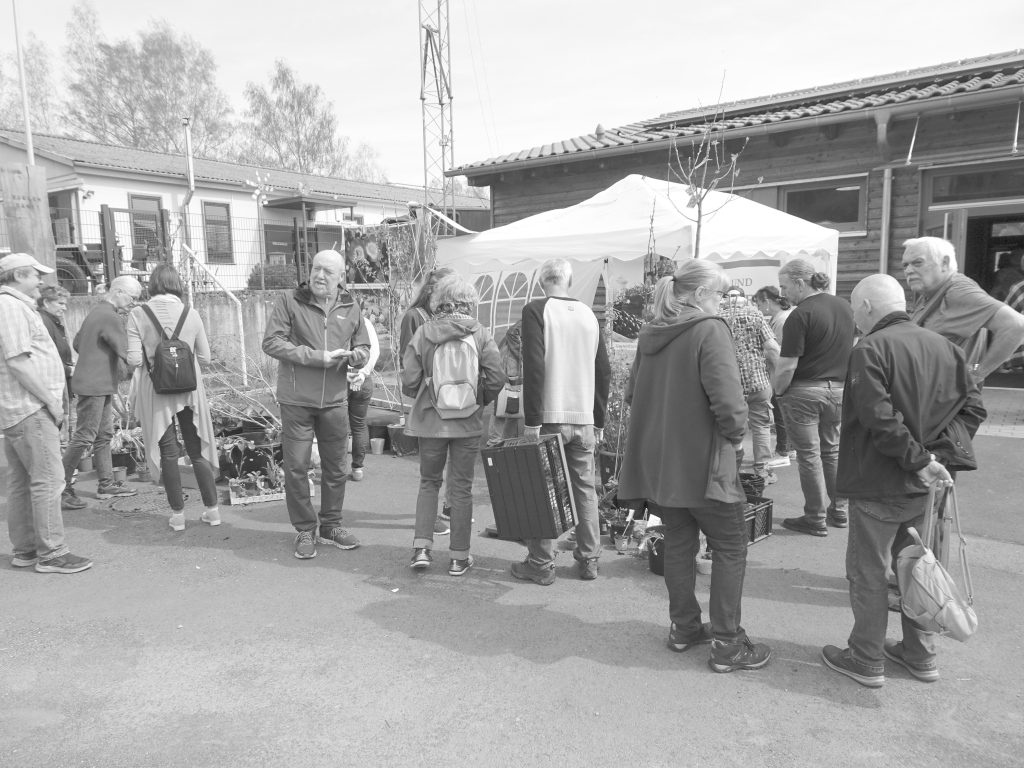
point(211, 516)
point(177, 521)
point(778, 461)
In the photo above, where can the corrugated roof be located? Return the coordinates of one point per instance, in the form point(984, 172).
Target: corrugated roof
point(996, 71)
point(107, 156)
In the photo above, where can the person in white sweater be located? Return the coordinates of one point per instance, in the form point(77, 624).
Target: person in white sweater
point(566, 375)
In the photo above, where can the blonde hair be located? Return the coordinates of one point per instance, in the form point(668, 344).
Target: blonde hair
point(671, 293)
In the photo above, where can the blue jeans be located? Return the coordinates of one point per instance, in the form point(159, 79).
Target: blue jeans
point(759, 422)
point(170, 472)
point(358, 405)
point(434, 454)
point(93, 431)
point(813, 415)
point(34, 485)
point(878, 531)
point(726, 529)
point(330, 426)
point(578, 441)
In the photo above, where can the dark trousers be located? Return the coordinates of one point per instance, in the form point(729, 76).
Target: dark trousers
point(300, 424)
point(781, 436)
point(726, 530)
point(358, 405)
point(878, 532)
point(93, 430)
point(170, 472)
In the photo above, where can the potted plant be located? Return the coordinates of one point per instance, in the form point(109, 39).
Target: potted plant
point(616, 420)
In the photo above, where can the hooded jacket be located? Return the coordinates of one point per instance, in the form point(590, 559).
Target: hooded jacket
point(687, 415)
point(299, 332)
point(424, 420)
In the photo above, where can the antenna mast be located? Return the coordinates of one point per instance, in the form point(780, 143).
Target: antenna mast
point(436, 106)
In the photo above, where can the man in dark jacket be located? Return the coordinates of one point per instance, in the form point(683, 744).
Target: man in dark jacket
point(316, 332)
point(905, 386)
point(102, 345)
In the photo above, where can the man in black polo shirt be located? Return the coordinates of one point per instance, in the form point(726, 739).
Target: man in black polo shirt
point(809, 379)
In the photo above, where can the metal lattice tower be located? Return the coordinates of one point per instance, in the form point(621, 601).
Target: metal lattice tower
point(436, 105)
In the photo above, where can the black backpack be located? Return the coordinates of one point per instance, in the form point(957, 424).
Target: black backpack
point(173, 369)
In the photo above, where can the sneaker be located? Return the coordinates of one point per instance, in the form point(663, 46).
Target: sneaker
point(24, 559)
point(926, 672)
point(842, 661)
point(177, 521)
point(338, 537)
point(459, 567)
point(778, 461)
point(64, 564)
point(588, 568)
point(527, 571)
point(441, 527)
point(357, 473)
point(108, 489)
point(305, 545)
point(211, 516)
point(69, 500)
point(727, 657)
point(446, 512)
point(838, 519)
point(678, 642)
point(804, 525)
point(421, 559)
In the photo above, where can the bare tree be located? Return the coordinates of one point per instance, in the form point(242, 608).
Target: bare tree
point(134, 93)
point(42, 105)
point(710, 163)
point(292, 126)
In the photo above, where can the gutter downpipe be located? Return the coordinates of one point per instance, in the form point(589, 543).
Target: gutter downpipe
point(883, 255)
point(191, 177)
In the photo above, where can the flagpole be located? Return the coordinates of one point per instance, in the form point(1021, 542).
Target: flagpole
point(24, 88)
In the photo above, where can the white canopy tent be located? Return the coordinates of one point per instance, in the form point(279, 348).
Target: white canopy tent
point(608, 236)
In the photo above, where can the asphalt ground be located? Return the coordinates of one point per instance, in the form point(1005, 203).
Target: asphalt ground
point(216, 647)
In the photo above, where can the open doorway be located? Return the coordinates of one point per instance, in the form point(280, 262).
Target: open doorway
point(993, 250)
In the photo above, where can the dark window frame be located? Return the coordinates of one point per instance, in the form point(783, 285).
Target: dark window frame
point(857, 226)
point(218, 256)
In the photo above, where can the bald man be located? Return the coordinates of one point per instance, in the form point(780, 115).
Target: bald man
point(102, 344)
point(906, 387)
point(318, 334)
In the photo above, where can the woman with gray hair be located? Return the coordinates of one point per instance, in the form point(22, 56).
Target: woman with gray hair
point(687, 422)
point(451, 368)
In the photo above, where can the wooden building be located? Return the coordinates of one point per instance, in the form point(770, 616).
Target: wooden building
point(933, 151)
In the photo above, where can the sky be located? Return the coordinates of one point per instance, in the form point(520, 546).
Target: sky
point(529, 72)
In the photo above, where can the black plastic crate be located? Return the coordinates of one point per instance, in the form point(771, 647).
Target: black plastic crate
point(529, 487)
point(759, 519)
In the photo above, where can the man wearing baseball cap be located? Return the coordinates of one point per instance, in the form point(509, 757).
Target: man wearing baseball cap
point(31, 411)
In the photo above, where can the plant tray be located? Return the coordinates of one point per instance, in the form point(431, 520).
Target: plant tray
point(529, 487)
point(237, 494)
point(758, 518)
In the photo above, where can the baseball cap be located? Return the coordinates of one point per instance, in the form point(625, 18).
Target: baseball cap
point(15, 260)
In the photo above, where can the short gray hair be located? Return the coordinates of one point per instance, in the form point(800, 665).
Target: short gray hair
point(11, 275)
point(454, 293)
point(556, 271)
point(934, 248)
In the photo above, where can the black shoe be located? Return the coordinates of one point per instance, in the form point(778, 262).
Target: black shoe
point(421, 558)
point(927, 672)
point(838, 519)
point(678, 642)
point(803, 525)
point(64, 564)
point(459, 567)
point(842, 661)
point(727, 657)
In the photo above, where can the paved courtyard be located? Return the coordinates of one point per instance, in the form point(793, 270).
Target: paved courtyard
point(216, 647)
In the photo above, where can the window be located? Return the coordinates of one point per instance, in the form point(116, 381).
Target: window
point(147, 230)
point(837, 205)
point(217, 229)
point(988, 184)
point(513, 293)
point(485, 288)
